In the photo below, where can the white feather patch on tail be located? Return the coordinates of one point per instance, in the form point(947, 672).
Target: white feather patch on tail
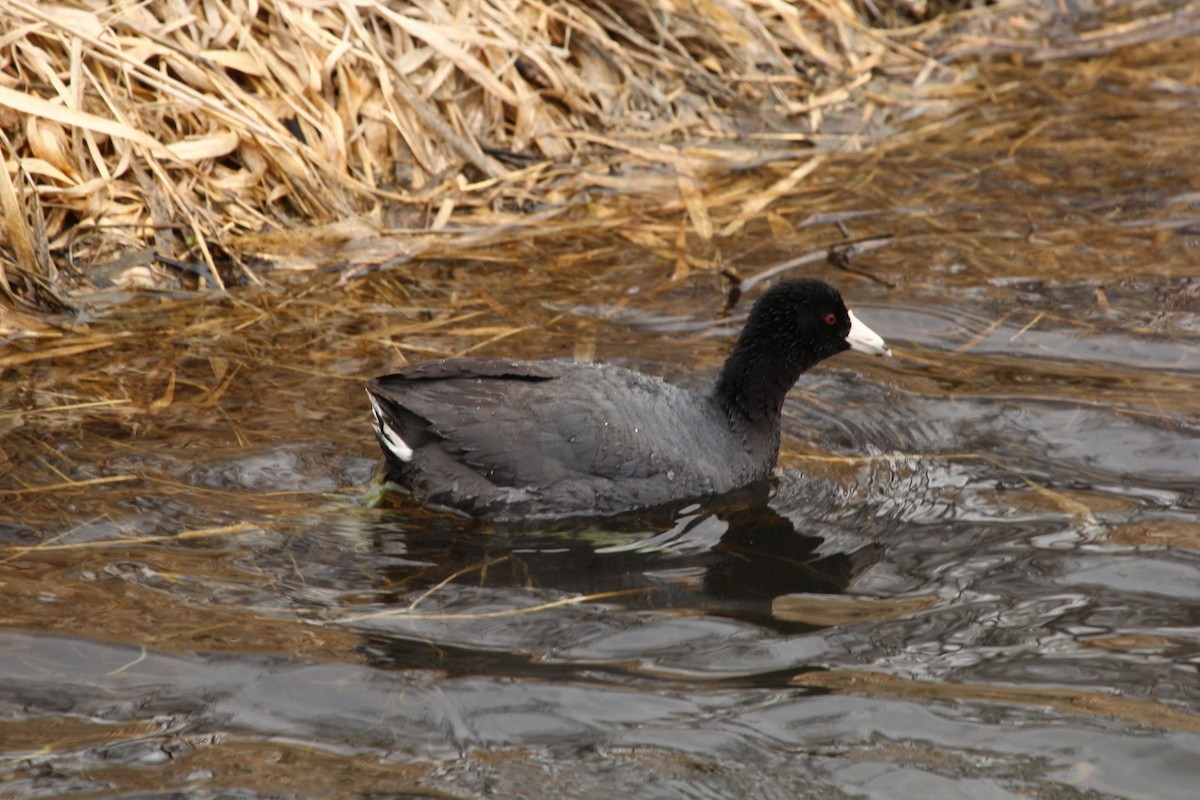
point(387, 435)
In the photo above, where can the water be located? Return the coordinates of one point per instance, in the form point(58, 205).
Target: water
point(978, 575)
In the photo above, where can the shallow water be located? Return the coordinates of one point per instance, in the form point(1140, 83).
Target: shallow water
point(978, 575)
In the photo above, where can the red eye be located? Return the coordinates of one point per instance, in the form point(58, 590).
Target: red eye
point(830, 319)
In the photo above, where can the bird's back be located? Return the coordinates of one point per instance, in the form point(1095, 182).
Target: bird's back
point(559, 437)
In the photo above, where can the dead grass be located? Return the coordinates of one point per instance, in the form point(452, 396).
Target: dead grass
point(211, 134)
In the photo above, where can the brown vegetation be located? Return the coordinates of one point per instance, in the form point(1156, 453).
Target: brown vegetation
point(196, 132)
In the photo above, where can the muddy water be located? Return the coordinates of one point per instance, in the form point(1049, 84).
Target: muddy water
point(977, 576)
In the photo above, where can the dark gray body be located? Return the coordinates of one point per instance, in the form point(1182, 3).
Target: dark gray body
point(513, 439)
point(555, 438)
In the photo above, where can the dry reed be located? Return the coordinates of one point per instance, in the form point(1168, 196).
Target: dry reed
point(198, 131)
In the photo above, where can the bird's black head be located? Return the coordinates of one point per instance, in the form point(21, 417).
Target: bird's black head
point(794, 325)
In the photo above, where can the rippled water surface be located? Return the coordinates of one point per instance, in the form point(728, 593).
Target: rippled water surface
point(978, 574)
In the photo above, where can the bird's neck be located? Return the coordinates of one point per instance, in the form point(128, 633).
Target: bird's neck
point(755, 386)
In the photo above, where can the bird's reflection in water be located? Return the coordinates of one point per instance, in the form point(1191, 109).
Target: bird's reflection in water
point(730, 556)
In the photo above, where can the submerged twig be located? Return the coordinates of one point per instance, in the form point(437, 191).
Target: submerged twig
point(68, 484)
point(406, 614)
point(198, 533)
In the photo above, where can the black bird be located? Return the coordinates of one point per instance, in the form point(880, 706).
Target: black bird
point(509, 440)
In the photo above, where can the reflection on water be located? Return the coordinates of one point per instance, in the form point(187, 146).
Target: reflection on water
point(975, 574)
point(732, 557)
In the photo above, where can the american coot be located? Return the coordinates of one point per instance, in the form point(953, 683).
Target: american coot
point(519, 439)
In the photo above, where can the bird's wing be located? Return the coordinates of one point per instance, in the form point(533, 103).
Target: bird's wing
point(525, 424)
